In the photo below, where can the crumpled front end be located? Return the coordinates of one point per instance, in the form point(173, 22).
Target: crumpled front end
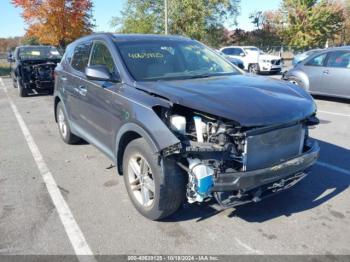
point(38, 75)
point(234, 164)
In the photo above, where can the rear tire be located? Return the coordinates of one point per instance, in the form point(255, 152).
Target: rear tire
point(156, 190)
point(64, 127)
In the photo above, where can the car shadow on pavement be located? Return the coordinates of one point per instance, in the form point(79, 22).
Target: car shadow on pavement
point(332, 99)
point(319, 187)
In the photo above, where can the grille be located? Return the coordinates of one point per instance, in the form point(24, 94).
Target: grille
point(272, 148)
point(276, 62)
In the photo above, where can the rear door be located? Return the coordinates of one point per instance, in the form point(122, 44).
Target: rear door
point(337, 76)
point(75, 95)
point(315, 68)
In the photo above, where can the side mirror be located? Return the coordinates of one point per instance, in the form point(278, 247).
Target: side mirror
point(100, 73)
point(10, 58)
point(242, 54)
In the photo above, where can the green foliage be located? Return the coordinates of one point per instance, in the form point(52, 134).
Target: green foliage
point(310, 23)
point(30, 40)
point(259, 37)
point(199, 19)
point(143, 17)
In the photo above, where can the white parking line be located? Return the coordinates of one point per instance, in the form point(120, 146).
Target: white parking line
point(247, 247)
point(2, 84)
point(76, 237)
point(333, 113)
point(335, 168)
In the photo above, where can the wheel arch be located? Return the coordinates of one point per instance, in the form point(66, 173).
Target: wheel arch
point(57, 100)
point(302, 77)
point(126, 134)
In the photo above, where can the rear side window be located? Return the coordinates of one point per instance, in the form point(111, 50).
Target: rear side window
point(339, 59)
point(81, 56)
point(317, 60)
point(232, 51)
point(101, 56)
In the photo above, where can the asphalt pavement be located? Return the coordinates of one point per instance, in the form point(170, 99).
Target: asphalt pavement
point(60, 199)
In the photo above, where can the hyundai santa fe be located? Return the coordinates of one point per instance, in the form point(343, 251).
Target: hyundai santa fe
point(181, 123)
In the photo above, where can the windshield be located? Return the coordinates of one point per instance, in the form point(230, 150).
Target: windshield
point(38, 52)
point(254, 49)
point(162, 60)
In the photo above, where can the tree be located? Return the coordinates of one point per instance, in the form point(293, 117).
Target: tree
point(257, 18)
point(345, 34)
point(200, 19)
point(30, 40)
point(142, 17)
point(10, 43)
point(56, 22)
point(310, 23)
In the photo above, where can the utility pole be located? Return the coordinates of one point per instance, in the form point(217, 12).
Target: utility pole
point(166, 16)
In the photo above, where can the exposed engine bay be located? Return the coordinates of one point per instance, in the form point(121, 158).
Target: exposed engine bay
point(38, 74)
point(213, 148)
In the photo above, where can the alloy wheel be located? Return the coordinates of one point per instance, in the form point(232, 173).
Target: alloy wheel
point(62, 124)
point(253, 69)
point(141, 180)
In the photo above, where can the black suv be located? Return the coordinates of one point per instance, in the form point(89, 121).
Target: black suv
point(32, 68)
point(181, 122)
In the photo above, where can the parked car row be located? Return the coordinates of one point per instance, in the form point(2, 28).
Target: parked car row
point(254, 60)
point(181, 122)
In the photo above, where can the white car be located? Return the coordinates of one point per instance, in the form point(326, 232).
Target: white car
point(255, 60)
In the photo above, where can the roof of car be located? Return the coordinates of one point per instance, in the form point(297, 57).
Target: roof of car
point(236, 46)
point(128, 37)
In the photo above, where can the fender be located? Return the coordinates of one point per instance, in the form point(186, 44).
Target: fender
point(131, 127)
point(137, 129)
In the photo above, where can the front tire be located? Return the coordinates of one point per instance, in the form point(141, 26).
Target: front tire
point(22, 92)
point(64, 127)
point(156, 190)
point(253, 69)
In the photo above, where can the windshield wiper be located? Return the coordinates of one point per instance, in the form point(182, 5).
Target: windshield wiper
point(199, 76)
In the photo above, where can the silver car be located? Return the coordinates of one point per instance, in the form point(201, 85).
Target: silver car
point(324, 73)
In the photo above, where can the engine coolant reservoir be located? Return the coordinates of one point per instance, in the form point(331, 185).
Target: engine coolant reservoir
point(203, 174)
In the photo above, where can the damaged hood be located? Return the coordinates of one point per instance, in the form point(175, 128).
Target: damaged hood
point(248, 100)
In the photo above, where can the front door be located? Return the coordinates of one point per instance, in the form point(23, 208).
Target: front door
point(316, 69)
point(101, 116)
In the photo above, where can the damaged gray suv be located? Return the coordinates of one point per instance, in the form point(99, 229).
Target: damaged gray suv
point(182, 123)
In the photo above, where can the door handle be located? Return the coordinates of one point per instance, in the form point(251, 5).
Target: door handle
point(82, 90)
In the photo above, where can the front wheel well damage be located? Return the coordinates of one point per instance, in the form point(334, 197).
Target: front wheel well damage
point(57, 100)
point(122, 144)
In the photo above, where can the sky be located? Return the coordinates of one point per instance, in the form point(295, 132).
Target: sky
point(11, 23)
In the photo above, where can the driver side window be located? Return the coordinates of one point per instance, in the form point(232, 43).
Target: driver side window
point(317, 61)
